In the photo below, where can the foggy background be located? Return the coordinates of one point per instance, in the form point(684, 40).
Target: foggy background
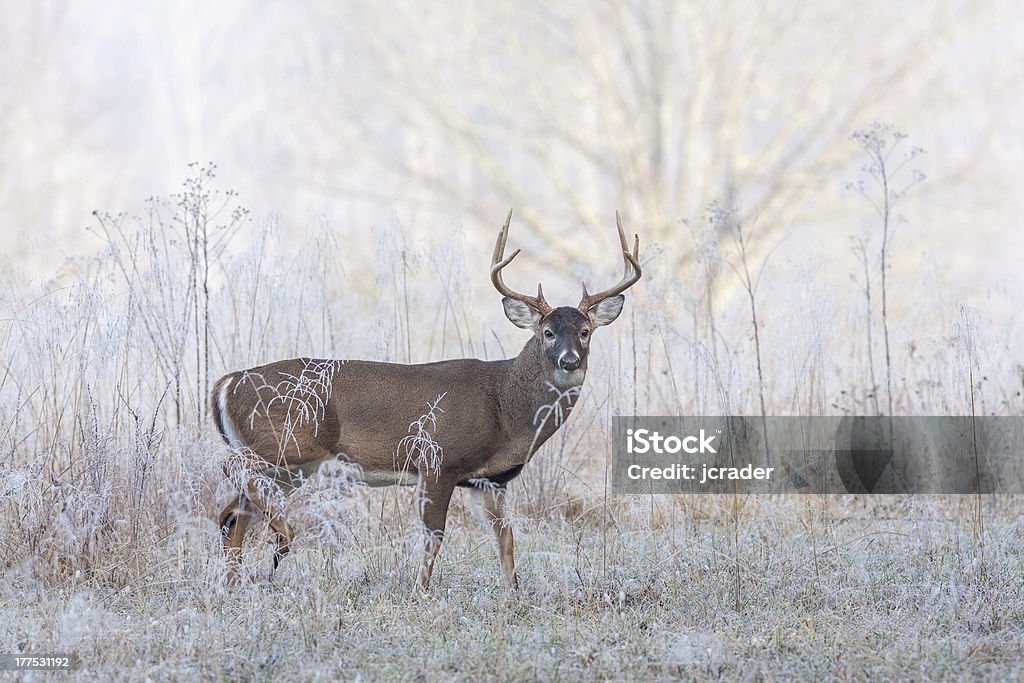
point(438, 118)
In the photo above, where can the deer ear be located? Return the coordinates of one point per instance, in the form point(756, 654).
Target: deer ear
point(521, 314)
point(606, 311)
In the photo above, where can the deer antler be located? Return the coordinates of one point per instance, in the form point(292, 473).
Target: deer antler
point(499, 261)
point(630, 276)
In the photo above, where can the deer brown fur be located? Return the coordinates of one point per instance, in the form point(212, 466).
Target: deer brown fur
point(487, 419)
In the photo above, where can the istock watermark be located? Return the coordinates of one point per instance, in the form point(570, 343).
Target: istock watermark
point(716, 454)
point(648, 441)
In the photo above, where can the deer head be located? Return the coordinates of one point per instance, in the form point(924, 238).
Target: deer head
point(564, 333)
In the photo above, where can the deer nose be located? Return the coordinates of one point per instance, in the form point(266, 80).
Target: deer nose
point(569, 362)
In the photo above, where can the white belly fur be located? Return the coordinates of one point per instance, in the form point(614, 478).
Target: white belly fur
point(288, 478)
point(390, 478)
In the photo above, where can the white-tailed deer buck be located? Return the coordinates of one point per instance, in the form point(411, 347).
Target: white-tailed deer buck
point(290, 416)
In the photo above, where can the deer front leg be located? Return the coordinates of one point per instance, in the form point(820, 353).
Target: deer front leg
point(433, 499)
point(489, 506)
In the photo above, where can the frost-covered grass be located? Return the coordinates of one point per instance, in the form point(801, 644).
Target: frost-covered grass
point(111, 477)
point(806, 588)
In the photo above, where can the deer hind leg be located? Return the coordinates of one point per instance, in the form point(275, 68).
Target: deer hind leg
point(489, 506)
point(433, 499)
point(261, 492)
point(234, 520)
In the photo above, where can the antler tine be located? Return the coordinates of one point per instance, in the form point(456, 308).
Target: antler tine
point(498, 262)
point(499, 246)
point(630, 275)
point(622, 239)
point(627, 262)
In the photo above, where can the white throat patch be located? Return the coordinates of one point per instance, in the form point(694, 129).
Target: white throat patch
point(573, 378)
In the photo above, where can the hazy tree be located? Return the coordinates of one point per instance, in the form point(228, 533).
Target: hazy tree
point(570, 110)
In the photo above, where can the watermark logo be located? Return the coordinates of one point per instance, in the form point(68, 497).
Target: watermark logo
point(951, 454)
point(642, 441)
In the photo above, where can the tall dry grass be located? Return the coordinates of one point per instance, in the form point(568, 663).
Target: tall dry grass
point(111, 476)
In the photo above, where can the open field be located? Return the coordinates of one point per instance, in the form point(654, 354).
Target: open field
point(111, 478)
point(810, 588)
point(827, 202)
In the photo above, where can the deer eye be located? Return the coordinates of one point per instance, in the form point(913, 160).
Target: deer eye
point(548, 334)
point(584, 333)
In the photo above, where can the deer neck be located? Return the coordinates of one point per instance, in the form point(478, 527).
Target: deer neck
point(537, 397)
